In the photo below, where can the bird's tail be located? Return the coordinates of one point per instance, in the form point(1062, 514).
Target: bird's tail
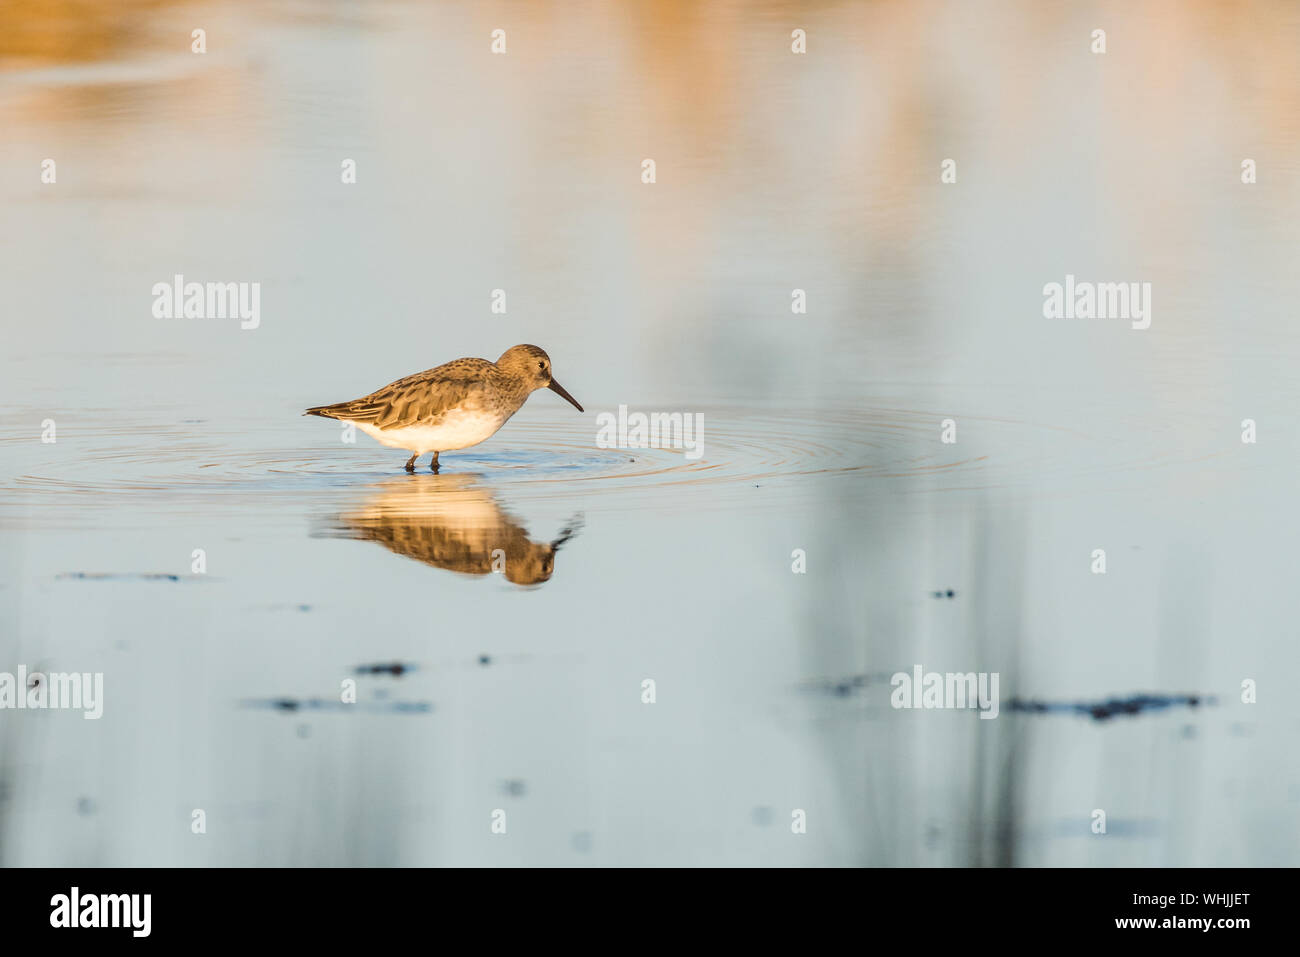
point(328, 411)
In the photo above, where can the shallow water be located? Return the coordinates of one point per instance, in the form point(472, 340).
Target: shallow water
point(522, 690)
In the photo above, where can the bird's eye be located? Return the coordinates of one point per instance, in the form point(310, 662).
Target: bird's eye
point(541, 365)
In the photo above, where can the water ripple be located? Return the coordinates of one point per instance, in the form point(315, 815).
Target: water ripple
point(98, 458)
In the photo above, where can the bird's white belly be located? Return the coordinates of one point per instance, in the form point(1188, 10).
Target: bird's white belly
point(455, 430)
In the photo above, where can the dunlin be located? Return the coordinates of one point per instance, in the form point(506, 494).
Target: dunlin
point(454, 406)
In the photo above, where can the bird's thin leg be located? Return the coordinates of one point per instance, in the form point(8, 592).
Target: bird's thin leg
point(433, 466)
point(410, 464)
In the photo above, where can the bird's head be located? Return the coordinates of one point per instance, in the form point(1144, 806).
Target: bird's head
point(533, 366)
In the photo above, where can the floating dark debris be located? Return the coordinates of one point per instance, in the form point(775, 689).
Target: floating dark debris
point(293, 705)
point(1111, 707)
point(949, 593)
point(1115, 827)
point(846, 686)
point(395, 668)
point(130, 576)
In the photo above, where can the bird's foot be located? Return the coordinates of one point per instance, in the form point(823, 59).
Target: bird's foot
point(410, 464)
point(433, 466)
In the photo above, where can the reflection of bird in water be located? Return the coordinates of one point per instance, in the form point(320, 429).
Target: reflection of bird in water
point(450, 522)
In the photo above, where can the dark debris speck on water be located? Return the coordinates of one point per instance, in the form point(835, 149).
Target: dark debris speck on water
point(847, 685)
point(394, 668)
point(1111, 707)
point(130, 576)
point(1115, 827)
point(293, 705)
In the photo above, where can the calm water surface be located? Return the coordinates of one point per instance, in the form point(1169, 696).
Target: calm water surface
point(522, 691)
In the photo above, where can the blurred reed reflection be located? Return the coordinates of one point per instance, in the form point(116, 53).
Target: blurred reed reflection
point(452, 522)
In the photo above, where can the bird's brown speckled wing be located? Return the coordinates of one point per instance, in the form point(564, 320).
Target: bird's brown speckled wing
point(468, 551)
point(419, 398)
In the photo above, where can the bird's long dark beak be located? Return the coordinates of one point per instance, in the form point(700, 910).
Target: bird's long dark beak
point(568, 532)
point(559, 390)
